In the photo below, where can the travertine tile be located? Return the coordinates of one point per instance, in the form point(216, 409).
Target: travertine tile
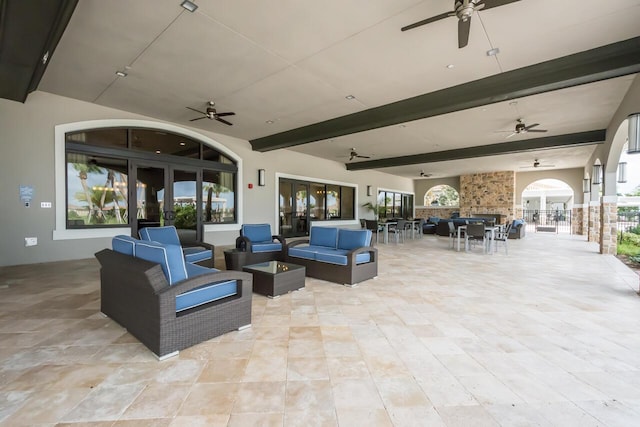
point(439, 338)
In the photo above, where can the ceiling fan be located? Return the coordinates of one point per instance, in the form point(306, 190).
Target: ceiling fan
point(522, 128)
point(537, 164)
point(463, 10)
point(212, 114)
point(353, 154)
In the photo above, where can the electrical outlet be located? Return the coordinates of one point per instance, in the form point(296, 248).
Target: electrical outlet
point(45, 204)
point(30, 241)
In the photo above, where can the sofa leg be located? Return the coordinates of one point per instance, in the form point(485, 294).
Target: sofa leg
point(167, 356)
point(242, 328)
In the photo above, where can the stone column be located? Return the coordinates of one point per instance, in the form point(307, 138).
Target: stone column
point(594, 222)
point(577, 218)
point(609, 225)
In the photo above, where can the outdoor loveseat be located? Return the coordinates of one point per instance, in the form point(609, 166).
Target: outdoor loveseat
point(336, 254)
point(166, 303)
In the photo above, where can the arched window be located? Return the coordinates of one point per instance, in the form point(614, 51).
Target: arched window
point(442, 195)
point(137, 177)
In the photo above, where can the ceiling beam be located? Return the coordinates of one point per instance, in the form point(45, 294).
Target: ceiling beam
point(29, 33)
point(606, 62)
point(546, 143)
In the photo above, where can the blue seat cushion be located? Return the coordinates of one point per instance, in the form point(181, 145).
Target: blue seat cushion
point(336, 256)
point(303, 251)
point(205, 294)
point(266, 247)
point(124, 244)
point(194, 270)
point(196, 254)
point(323, 236)
point(167, 234)
point(257, 232)
point(353, 239)
point(169, 257)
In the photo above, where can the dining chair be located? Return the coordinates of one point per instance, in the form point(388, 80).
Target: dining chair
point(453, 233)
point(502, 235)
point(398, 230)
point(372, 224)
point(417, 227)
point(475, 233)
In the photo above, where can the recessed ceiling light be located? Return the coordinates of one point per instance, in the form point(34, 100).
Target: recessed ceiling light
point(350, 97)
point(189, 5)
point(182, 143)
point(121, 73)
point(493, 52)
point(450, 66)
point(269, 122)
point(157, 151)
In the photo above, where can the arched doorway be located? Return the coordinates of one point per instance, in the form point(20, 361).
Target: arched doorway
point(547, 205)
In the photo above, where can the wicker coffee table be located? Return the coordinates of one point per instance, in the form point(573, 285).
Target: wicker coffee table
point(275, 278)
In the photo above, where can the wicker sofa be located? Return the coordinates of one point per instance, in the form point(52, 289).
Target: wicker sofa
point(336, 254)
point(166, 303)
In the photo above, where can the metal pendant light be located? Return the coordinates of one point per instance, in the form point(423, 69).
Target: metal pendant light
point(634, 133)
point(596, 175)
point(622, 172)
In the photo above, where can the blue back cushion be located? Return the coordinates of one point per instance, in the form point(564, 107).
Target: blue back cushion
point(168, 256)
point(353, 239)
point(323, 236)
point(124, 244)
point(516, 222)
point(167, 235)
point(257, 232)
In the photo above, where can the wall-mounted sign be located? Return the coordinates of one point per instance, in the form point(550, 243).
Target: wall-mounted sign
point(26, 194)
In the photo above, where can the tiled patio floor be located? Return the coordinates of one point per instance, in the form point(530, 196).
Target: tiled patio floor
point(548, 336)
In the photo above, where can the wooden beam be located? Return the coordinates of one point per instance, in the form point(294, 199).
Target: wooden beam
point(606, 62)
point(546, 143)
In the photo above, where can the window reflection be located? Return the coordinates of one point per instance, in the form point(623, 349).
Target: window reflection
point(96, 190)
point(218, 197)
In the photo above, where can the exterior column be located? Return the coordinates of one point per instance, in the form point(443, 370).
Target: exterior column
point(594, 221)
point(577, 219)
point(609, 225)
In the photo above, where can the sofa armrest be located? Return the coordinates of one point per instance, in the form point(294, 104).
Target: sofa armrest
point(279, 238)
point(203, 279)
point(351, 255)
point(195, 244)
point(297, 242)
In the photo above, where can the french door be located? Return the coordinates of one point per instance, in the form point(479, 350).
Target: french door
point(166, 195)
point(294, 208)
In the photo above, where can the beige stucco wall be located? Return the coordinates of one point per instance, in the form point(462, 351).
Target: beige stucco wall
point(27, 158)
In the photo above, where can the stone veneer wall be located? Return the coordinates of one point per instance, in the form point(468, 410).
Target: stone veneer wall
point(492, 193)
point(609, 226)
point(439, 212)
point(594, 222)
point(577, 217)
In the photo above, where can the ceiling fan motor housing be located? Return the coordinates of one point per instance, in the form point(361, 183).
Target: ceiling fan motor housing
point(464, 9)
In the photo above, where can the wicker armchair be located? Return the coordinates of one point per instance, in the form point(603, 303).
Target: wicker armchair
point(136, 294)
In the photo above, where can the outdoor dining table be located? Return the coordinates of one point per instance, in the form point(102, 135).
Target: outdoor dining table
point(487, 228)
point(385, 231)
